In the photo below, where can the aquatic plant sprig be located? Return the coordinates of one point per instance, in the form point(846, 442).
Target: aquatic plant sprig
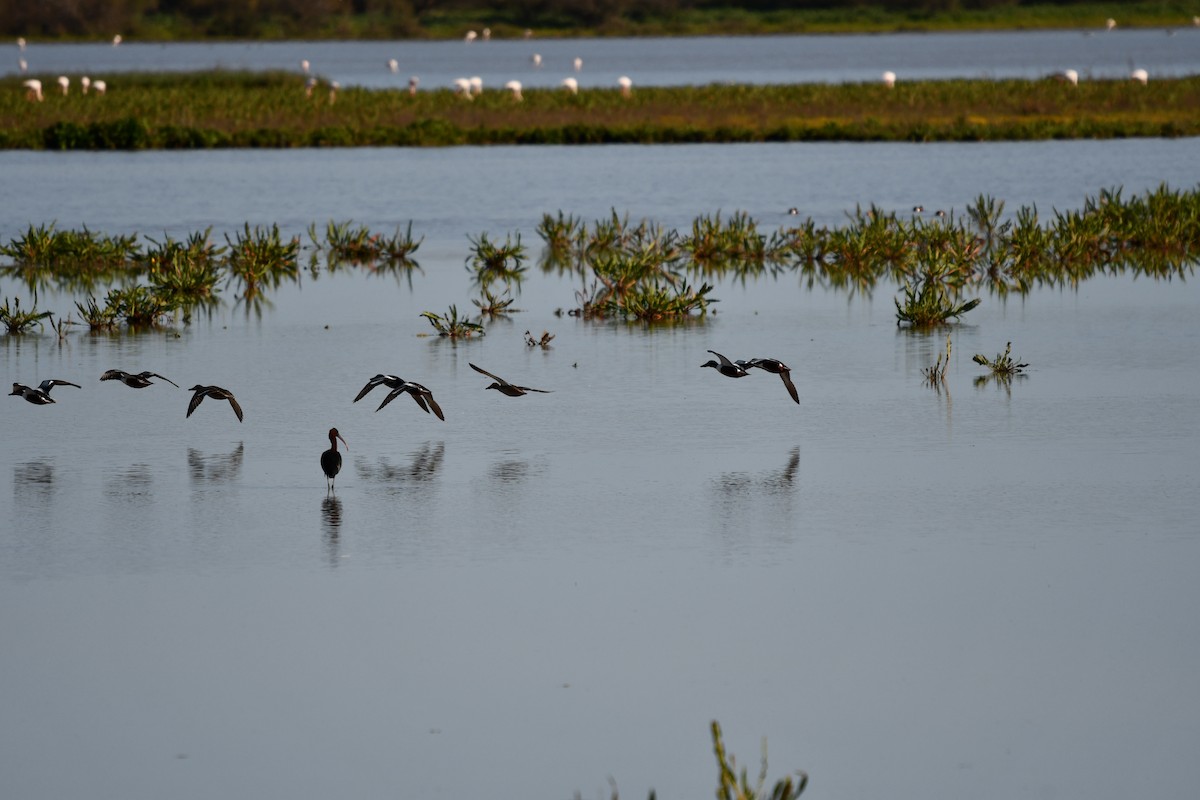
point(260, 258)
point(732, 786)
point(935, 374)
point(97, 317)
point(491, 261)
point(452, 326)
point(16, 320)
point(542, 341)
point(491, 305)
point(1003, 365)
point(185, 272)
point(139, 306)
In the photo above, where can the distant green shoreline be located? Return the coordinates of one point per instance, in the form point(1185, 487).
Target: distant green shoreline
point(566, 20)
point(272, 110)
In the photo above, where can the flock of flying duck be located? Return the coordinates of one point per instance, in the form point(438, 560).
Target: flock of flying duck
point(331, 459)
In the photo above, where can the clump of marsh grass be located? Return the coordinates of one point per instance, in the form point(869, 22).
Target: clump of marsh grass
point(96, 316)
point(491, 261)
point(359, 245)
point(734, 786)
point(139, 306)
point(15, 320)
point(453, 326)
point(185, 272)
point(1003, 365)
point(42, 245)
point(562, 235)
point(934, 301)
point(662, 301)
point(260, 258)
point(491, 305)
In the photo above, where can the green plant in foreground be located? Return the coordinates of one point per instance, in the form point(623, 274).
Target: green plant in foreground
point(17, 321)
point(1003, 366)
point(452, 326)
point(731, 786)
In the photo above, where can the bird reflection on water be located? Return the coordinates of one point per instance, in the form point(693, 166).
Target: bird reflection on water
point(220, 468)
point(739, 496)
point(775, 482)
point(331, 525)
point(131, 485)
point(424, 466)
point(33, 482)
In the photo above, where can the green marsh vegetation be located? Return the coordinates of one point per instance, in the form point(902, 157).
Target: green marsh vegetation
point(15, 320)
point(452, 326)
point(233, 109)
point(737, 786)
point(433, 19)
point(359, 245)
point(938, 265)
point(1003, 365)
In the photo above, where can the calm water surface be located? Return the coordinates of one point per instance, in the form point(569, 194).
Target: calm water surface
point(657, 62)
point(983, 592)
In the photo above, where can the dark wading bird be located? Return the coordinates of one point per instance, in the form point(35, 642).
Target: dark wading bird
point(216, 393)
point(331, 459)
point(41, 395)
point(725, 366)
point(503, 386)
point(138, 381)
point(776, 366)
point(399, 386)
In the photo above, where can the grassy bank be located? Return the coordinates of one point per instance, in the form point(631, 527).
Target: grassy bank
point(160, 21)
point(219, 109)
point(850, 18)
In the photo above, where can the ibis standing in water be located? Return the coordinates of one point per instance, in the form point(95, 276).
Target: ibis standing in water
point(331, 459)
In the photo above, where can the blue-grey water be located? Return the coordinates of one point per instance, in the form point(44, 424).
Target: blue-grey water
point(987, 591)
point(1093, 53)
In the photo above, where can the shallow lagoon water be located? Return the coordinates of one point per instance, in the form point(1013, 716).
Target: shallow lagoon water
point(675, 61)
point(978, 592)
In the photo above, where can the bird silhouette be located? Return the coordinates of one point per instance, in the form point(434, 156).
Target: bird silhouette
point(139, 381)
point(503, 386)
point(331, 459)
point(216, 393)
point(725, 366)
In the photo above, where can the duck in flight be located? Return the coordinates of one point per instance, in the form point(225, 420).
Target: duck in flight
point(399, 386)
point(139, 381)
point(776, 366)
point(216, 393)
point(503, 386)
point(41, 395)
point(725, 366)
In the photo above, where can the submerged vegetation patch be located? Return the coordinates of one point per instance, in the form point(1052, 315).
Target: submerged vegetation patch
point(938, 264)
point(278, 109)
